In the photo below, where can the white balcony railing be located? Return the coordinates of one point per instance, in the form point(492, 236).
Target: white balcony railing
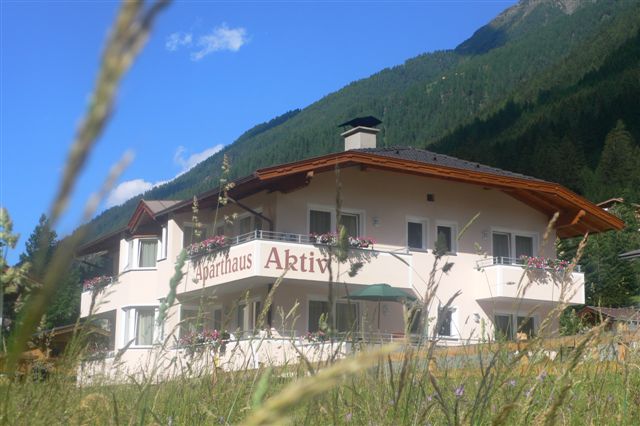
point(511, 261)
point(289, 237)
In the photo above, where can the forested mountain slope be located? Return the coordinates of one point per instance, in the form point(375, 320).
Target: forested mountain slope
point(538, 74)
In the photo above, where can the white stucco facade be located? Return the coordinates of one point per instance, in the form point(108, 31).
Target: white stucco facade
point(230, 286)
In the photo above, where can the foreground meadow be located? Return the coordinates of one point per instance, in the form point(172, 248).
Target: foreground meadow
point(593, 379)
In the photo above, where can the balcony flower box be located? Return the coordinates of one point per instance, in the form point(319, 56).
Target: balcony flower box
point(316, 336)
point(198, 341)
point(97, 283)
point(538, 262)
point(331, 239)
point(208, 246)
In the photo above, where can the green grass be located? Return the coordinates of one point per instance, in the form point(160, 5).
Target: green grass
point(398, 388)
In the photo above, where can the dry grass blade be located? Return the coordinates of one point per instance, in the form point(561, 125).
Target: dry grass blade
point(274, 410)
point(60, 262)
point(129, 34)
point(128, 37)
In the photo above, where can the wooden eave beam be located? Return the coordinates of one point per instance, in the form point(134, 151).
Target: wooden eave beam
point(571, 220)
point(531, 199)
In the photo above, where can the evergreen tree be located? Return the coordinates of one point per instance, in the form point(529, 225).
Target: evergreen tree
point(619, 164)
point(609, 280)
point(13, 280)
point(65, 305)
point(39, 247)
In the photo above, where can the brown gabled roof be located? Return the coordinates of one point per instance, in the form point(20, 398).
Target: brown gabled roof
point(435, 159)
point(617, 314)
point(158, 206)
point(577, 215)
point(152, 208)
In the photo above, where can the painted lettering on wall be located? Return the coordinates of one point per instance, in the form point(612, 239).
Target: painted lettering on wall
point(306, 262)
point(227, 265)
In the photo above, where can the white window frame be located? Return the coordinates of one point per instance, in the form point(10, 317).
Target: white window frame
point(512, 239)
point(249, 318)
point(129, 331)
point(133, 253)
point(139, 252)
point(455, 329)
point(425, 231)
point(362, 220)
point(163, 244)
point(130, 251)
point(454, 234)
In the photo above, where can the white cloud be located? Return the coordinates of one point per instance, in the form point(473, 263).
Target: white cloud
point(221, 38)
point(187, 164)
point(127, 190)
point(178, 39)
point(130, 188)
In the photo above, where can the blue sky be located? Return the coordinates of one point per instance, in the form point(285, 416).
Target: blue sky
point(210, 71)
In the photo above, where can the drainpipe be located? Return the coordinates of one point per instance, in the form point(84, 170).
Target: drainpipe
point(270, 311)
point(253, 212)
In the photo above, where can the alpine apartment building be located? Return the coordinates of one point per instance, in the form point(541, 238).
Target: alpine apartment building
point(396, 203)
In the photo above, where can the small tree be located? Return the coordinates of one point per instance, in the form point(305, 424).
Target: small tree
point(13, 282)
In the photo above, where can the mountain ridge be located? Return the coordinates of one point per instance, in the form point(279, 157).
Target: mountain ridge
point(428, 97)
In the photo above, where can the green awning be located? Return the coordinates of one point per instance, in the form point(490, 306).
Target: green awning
point(382, 293)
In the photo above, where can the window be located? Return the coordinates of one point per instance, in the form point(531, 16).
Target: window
point(415, 320)
point(143, 253)
point(217, 319)
point(508, 326)
point(194, 319)
point(445, 317)
point(445, 238)
point(416, 235)
point(144, 326)
point(502, 325)
point(257, 310)
point(140, 326)
point(318, 311)
point(240, 314)
point(148, 253)
point(319, 222)
point(220, 231)
point(346, 316)
point(192, 235)
point(525, 326)
point(524, 246)
point(351, 223)
point(507, 245)
point(247, 315)
point(245, 225)
point(163, 243)
point(501, 245)
point(129, 255)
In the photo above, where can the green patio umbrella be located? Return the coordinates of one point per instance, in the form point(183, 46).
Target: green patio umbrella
point(382, 293)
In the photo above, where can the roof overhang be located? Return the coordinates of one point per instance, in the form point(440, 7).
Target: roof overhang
point(577, 215)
